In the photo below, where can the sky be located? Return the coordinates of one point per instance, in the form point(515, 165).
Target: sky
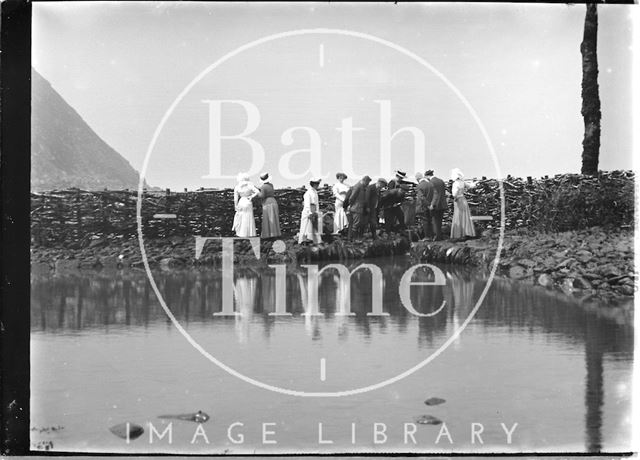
point(407, 86)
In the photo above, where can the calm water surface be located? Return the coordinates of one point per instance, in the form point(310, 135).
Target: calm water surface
point(104, 352)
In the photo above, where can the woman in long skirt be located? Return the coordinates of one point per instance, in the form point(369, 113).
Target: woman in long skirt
point(340, 190)
point(461, 224)
point(243, 223)
point(311, 218)
point(270, 214)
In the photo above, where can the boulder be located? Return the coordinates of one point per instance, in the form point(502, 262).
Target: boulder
point(581, 283)
point(567, 286)
point(564, 263)
point(584, 256)
point(97, 242)
point(545, 280)
point(610, 271)
point(528, 263)
point(519, 272)
point(625, 289)
point(169, 262)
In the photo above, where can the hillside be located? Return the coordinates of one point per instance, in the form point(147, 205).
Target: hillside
point(66, 152)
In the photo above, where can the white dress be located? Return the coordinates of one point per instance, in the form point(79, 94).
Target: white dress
point(244, 224)
point(461, 223)
point(339, 216)
point(307, 232)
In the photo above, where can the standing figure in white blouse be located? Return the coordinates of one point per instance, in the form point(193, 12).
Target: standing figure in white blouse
point(461, 223)
point(311, 218)
point(243, 223)
point(340, 190)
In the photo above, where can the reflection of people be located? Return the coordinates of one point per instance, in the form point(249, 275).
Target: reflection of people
point(461, 223)
point(311, 218)
point(243, 193)
point(462, 288)
point(340, 190)
point(438, 203)
point(245, 294)
point(270, 214)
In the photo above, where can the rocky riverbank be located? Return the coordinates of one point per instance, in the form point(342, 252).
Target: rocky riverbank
point(595, 263)
point(177, 251)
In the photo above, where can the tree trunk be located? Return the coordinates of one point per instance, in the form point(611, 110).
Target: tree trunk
point(590, 93)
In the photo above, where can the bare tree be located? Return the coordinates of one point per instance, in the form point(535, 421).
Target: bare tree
point(590, 93)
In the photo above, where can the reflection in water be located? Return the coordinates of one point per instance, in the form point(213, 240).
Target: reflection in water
point(77, 302)
point(594, 391)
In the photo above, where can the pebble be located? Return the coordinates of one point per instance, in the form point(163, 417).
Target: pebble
point(434, 401)
point(428, 420)
point(134, 431)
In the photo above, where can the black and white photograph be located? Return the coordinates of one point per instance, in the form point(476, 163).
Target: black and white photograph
point(332, 228)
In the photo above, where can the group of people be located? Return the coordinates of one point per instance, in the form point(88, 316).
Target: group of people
point(358, 207)
point(244, 192)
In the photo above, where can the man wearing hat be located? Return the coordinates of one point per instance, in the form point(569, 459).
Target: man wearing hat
point(437, 203)
point(371, 214)
point(358, 202)
point(399, 179)
point(424, 196)
point(391, 202)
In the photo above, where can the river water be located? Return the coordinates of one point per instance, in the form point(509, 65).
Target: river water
point(538, 365)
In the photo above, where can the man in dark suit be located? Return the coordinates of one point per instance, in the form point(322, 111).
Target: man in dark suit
point(424, 196)
point(358, 202)
point(391, 201)
point(346, 204)
point(371, 215)
point(438, 204)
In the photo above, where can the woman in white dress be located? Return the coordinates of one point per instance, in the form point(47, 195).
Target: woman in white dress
point(311, 218)
point(243, 223)
point(461, 223)
point(340, 190)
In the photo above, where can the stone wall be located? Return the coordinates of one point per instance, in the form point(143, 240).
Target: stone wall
point(564, 202)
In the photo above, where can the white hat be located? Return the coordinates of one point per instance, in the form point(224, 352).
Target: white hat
point(265, 177)
point(243, 176)
point(456, 174)
point(315, 180)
